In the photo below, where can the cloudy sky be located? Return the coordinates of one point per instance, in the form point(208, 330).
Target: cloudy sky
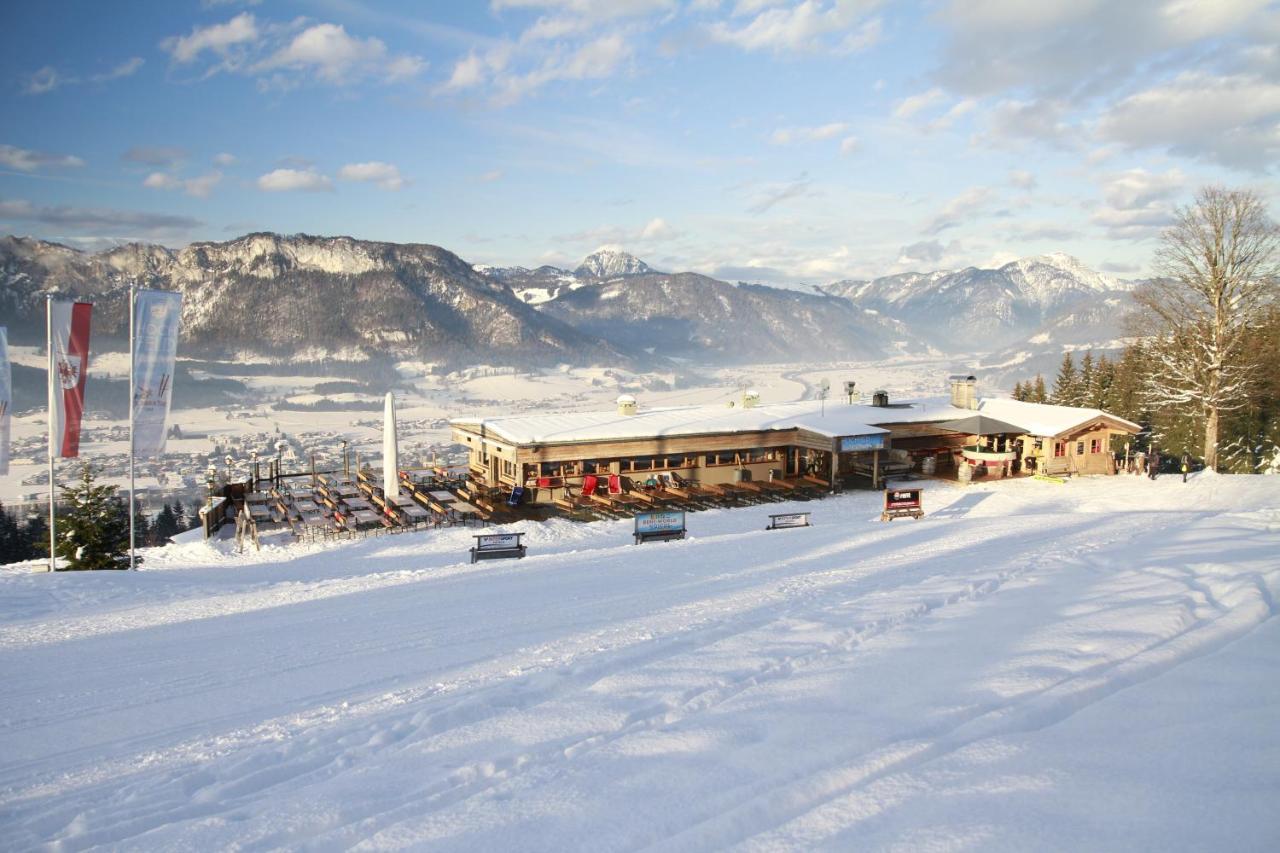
point(769, 140)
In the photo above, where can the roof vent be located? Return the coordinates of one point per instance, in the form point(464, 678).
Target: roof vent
point(626, 405)
point(880, 399)
point(750, 398)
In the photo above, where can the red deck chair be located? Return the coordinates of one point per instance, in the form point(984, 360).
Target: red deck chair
point(589, 485)
point(615, 484)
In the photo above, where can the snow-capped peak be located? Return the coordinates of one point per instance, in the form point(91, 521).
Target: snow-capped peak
point(609, 262)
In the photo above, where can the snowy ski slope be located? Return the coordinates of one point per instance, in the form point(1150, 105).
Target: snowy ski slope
point(1088, 666)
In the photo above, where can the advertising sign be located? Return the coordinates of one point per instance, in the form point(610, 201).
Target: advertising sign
point(155, 349)
point(854, 443)
point(495, 541)
point(781, 521)
point(903, 503)
point(659, 526)
point(903, 498)
point(659, 522)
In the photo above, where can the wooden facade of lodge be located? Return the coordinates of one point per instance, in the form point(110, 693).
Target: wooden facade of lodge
point(553, 456)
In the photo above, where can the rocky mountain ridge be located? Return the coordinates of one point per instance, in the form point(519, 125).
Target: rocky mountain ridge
point(974, 309)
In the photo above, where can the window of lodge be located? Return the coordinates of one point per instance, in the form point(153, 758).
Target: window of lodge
point(1059, 448)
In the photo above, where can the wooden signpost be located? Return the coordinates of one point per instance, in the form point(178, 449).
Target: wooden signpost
point(498, 546)
point(659, 526)
point(903, 503)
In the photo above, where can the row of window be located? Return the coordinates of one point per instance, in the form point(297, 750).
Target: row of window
point(1060, 447)
point(658, 463)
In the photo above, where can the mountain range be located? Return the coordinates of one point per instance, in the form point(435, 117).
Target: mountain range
point(344, 299)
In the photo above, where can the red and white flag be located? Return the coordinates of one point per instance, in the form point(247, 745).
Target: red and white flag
point(69, 332)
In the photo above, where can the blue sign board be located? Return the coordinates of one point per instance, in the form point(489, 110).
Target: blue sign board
point(851, 443)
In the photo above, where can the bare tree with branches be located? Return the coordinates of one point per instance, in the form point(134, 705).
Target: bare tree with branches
point(1218, 268)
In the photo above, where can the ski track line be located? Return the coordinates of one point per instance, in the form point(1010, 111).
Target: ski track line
point(469, 780)
point(716, 632)
point(771, 591)
point(480, 777)
point(792, 814)
point(687, 622)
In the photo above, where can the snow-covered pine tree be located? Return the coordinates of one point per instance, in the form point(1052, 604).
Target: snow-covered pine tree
point(1038, 393)
point(93, 530)
point(1218, 275)
point(1019, 393)
point(1066, 386)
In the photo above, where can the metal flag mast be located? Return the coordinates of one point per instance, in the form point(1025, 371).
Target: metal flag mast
point(133, 509)
point(53, 427)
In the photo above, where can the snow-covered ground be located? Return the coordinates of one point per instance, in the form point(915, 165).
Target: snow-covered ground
point(1032, 666)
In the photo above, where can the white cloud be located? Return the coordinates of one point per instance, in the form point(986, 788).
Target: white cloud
point(200, 186)
point(657, 229)
point(789, 135)
point(804, 27)
point(1231, 120)
point(219, 39)
point(26, 160)
point(491, 176)
point(850, 145)
point(1138, 204)
point(970, 203)
point(224, 159)
point(125, 69)
point(329, 51)
point(125, 223)
point(1022, 179)
point(42, 81)
point(289, 180)
point(595, 59)
point(913, 104)
point(384, 175)
point(286, 55)
point(161, 181)
point(772, 195)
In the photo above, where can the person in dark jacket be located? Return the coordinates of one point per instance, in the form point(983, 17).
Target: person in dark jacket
point(1186, 464)
point(1153, 466)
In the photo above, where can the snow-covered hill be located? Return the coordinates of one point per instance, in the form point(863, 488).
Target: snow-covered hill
point(1030, 667)
point(980, 309)
point(281, 295)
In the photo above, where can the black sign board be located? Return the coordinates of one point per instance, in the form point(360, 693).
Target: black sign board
point(781, 521)
point(903, 503)
point(498, 546)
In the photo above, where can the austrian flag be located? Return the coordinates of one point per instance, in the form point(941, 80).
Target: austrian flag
point(69, 343)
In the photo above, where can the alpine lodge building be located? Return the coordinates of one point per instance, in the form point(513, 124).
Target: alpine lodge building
point(551, 456)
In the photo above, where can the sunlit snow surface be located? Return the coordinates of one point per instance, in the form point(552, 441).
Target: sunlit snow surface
point(1089, 667)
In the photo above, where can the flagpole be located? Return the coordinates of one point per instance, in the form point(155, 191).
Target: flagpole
point(53, 428)
point(133, 510)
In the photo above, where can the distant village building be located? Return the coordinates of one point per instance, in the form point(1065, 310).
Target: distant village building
point(964, 436)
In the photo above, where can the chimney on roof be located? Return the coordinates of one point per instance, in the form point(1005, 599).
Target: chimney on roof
point(850, 391)
point(964, 391)
point(880, 399)
point(750, 398)
point(626, 405)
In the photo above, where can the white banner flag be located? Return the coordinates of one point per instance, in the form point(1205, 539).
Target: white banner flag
point(155, 350)
point(6, 400)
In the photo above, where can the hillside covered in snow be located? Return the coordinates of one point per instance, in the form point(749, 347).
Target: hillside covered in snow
point(1088, 666)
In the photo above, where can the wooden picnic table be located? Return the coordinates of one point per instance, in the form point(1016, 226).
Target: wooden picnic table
point(356, 504)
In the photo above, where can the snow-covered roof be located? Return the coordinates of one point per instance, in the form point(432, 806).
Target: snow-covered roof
point(835, 421)
point(1043, 418)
